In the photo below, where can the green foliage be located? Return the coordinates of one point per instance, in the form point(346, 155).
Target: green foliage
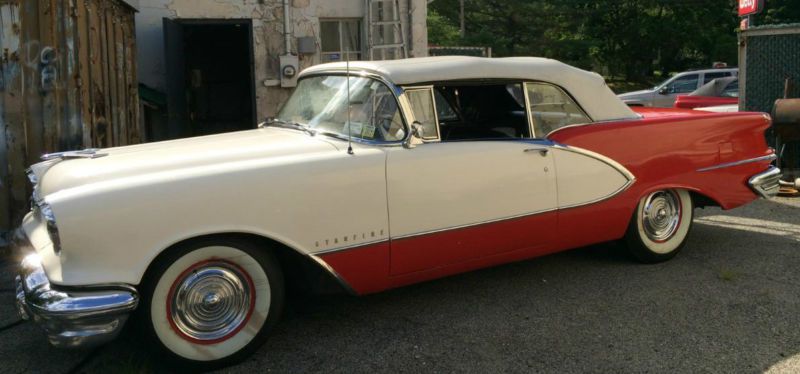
point(441, 31)
point(779, 11)
point(634, 39)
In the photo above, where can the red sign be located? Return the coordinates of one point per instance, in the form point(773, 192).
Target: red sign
point(748, 7)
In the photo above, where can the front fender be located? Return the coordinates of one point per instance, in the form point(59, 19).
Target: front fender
point(112, 230)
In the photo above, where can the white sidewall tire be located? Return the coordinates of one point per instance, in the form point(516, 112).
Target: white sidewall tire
point(647, 250)
point(681, 232)
point(186, 349)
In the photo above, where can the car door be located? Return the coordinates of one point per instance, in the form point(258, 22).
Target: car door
point(681, 85)
point(451, 202)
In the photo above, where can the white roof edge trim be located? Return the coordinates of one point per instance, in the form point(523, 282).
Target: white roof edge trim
point(588, 88)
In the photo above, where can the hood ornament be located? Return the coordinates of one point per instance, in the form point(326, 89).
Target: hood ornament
point(86, 153)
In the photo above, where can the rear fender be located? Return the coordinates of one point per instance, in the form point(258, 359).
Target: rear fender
point(681, 149)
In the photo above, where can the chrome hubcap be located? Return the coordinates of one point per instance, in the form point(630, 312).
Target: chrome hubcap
point(211, 301)
point(661, 215)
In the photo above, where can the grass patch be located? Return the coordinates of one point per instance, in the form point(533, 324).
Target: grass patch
point(727, 275)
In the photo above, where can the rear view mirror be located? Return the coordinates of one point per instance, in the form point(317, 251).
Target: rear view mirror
point(664, 90)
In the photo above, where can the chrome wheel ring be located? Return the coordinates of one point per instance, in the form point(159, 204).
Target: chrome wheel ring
point(210, 302)
point(661, 215)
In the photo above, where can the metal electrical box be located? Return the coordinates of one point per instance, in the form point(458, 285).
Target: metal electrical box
point(306, 45)
point(290, 67)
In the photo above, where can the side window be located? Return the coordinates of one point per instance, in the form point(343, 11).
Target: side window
point(731, 90)
point(708, 77)
point(422, 103)
point(551, 108)
point(684, 84)
point(444, 111)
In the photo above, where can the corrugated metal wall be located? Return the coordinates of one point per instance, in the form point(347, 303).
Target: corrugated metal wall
point(68, 82)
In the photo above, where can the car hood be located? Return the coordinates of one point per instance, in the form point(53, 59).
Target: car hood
point(166, 156)
point(635, 94)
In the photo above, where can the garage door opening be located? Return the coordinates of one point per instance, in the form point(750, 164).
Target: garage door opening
point(209, 76)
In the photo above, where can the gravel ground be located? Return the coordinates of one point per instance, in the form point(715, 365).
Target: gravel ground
point(727, 303)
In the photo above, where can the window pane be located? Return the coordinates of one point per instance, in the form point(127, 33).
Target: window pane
point(708, 77)
point(684, 84)
point(422, 105)
point(351, 36)
point(732, 90)
point(443, 108)
point(551, 109)
point(353, 56)
point(329, 35)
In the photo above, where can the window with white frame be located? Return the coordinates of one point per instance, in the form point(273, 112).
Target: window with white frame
point(339, 39)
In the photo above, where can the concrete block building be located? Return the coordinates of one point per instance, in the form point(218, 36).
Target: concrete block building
point(209, 66)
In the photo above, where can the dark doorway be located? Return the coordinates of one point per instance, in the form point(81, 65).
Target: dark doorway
point(209, 77)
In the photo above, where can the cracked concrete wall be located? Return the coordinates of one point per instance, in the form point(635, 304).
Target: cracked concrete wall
point(268, 40)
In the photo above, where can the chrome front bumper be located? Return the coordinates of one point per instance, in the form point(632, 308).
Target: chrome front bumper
point(767, 183)
point(79, 317)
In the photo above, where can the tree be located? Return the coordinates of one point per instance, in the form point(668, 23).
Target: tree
point(629, 38)
point(440, 31)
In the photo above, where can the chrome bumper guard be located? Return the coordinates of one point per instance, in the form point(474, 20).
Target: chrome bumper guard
point(87, 316)
point(767, 183)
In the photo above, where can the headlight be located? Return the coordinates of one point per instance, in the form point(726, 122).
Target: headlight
point(47, 213)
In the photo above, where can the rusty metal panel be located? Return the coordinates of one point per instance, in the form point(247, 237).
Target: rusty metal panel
point(12, 144)
point(67, 81)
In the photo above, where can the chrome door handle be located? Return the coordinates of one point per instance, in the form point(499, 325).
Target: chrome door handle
point(542, 151)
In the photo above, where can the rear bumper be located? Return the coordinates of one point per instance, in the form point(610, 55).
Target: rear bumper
point(767, 183)
point(82, 316)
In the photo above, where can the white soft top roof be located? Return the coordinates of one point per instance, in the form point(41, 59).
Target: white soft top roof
point(588, 88)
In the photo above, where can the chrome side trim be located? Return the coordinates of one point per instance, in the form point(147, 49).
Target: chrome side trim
point(338, 249)
point(474, 224)
point(333, 273)
point(740, 162)
point(85, 153)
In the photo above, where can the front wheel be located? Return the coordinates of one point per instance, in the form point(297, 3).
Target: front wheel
point(210, 303)
point(660, 226)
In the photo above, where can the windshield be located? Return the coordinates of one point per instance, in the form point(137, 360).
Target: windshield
point(320, 103)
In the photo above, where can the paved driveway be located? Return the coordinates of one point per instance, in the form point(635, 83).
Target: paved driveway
point(728, 303)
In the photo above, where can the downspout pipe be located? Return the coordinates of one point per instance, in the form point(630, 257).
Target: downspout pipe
point(286, 35)
point(410, 30)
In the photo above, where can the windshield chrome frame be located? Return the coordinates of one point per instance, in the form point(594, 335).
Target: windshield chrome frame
point(396, 90)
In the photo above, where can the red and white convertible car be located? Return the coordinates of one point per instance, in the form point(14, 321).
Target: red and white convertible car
point(406, 171)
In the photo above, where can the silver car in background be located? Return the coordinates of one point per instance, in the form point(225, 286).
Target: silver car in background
point(664, 94)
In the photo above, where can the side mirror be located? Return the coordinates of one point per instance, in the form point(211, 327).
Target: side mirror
point(417, 129)
point(664, 90)
point(416, 135)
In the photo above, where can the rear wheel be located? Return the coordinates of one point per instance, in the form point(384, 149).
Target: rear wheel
point(211, 302)
point(660, 226)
